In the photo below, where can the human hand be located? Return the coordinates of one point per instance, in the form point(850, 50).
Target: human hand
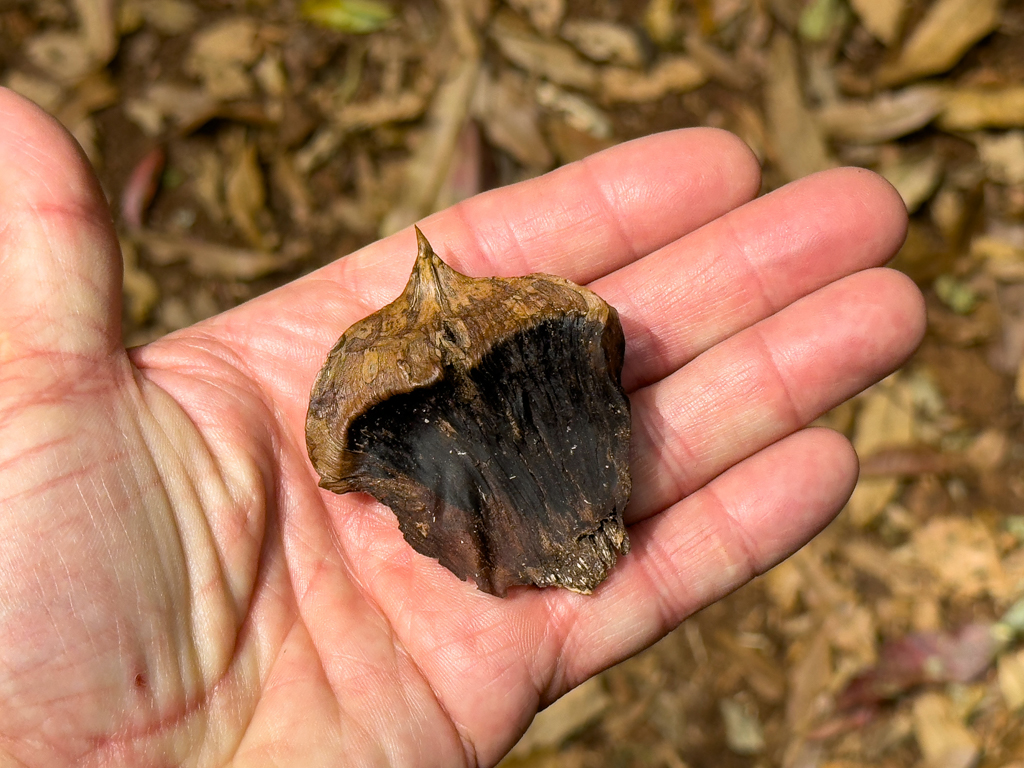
point(175, 587)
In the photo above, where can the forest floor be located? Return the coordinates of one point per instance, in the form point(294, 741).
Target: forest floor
point(245, 142)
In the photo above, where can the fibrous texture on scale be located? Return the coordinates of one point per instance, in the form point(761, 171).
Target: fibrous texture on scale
point(488, 414)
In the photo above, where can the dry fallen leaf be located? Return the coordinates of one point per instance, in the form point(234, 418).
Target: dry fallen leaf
point(170, 17)
point(891, 568)
point(968, 109)
point(720, 65)
point(660, 21)
point(206, 259)
point(206, 173)
point(429, 164)
point(1002, 156)
point(245, 194)
point(553, 60)
point(509, 117)
point(92, 94)
point(295, 189)
point(99, 28)
point(604, 41)
point(910, 461)
point(140, 289)
point(743, 732)
point(808, 678)
point(822, 591)
point(545, 15)
point(882, 18)
point(962, 556)
point(884, 118)
point(989, 450)
point(166, 104)
point(570, 144)
point(177, 312)
point(944, 740)
point(465, 171)
point(798, 144)
point(941, 38)
point(220, 55)
point(852, 630)
point(1001, 253)
point(577, 111)
point(886, 420)
point(63, 56)
point(69, 56)
point(271, 76)
point(784, 583)
point(86, 134)
point(1011, 679)
point(915, 176)
point(672, 74)
point(46, 93)
point(229, 41)
point(760, 671)
point(356, 116)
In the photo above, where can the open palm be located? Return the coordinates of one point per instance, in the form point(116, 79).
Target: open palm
point(174, 588)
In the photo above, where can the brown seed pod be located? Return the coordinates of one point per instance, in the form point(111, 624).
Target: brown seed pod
point(489, 415)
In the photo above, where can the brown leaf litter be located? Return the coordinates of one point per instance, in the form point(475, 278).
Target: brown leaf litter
point(893, 638)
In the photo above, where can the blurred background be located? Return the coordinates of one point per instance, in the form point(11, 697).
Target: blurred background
point(245, 142)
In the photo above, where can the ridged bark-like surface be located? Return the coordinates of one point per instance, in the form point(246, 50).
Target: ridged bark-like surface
point(489, 415)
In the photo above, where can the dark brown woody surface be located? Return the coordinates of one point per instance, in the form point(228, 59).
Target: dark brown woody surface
point(489, 415)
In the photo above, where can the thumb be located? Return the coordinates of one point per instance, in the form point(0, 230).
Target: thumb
point(60, 264)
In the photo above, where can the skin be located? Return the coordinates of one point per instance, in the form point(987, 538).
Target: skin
point(174, 588)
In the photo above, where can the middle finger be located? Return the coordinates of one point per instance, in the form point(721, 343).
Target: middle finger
point(751, 262)
point(768, 381)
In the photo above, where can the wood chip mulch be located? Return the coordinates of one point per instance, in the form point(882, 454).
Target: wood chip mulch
point(245, 143)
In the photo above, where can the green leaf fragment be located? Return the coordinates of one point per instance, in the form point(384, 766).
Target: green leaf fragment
point(354, 16)
point(819, 18)
point(1014, 617)
point(955, 294)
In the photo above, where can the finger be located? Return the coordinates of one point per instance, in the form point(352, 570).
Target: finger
point(585, 219)
point(592, 217)
point(742, 524)
point(750, 263)
point(59, 257)
point(580, 221)
point(768, 381)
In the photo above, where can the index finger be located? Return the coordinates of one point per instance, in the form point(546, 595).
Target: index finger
point(581, 221)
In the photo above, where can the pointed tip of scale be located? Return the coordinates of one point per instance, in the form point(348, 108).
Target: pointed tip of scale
point(430, 275)
point(427, 262)
point(422, 244)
